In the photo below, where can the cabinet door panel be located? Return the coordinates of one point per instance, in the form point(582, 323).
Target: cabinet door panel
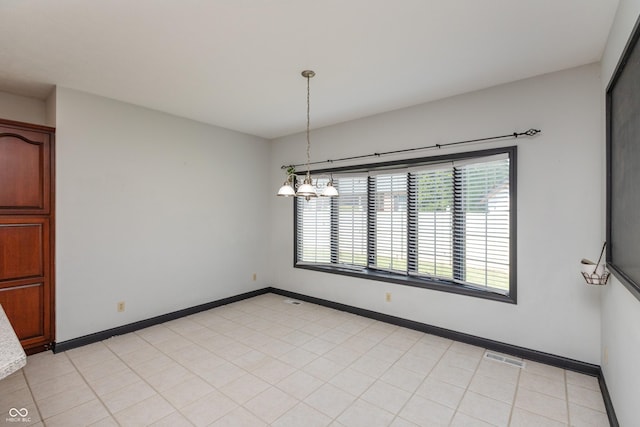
point(21, 250)
point(24, 307)
point(24, 172)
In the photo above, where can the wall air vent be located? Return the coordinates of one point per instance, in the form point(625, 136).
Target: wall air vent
point(504, 359)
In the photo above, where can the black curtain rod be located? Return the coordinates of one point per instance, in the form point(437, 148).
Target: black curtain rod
point(530, 132)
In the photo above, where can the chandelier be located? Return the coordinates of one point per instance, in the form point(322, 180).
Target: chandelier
point(306, 189)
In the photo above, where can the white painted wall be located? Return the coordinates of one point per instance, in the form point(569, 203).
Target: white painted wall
point(559, 215)
point(22, 109)
point(160, 212)
point(620, 309)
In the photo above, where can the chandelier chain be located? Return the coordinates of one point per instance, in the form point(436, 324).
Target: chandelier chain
point(308, 124)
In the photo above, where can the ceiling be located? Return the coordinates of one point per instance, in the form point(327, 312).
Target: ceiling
point(237, 63)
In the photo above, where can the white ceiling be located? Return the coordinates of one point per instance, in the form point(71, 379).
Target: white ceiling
point(237, 63)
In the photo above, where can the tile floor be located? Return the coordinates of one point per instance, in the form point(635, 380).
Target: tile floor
point(263, 362)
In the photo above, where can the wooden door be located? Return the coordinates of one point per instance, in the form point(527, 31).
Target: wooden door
point(26, 232)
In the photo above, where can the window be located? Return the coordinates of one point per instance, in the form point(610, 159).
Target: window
point(445, 222)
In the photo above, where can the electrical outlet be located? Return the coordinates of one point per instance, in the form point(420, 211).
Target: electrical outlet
point(121, 306)
point(255, 276)
point(387, 297)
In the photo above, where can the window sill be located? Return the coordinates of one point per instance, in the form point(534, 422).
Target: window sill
point(419, 282)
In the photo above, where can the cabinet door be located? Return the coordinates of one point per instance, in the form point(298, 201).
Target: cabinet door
point(25, 291)
point(25, 171)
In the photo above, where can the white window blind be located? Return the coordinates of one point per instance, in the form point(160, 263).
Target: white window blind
point(350, 220)
point(448, 221)
point(313, 226)
point(431, 221)
point(481, 223)
point(388, 209)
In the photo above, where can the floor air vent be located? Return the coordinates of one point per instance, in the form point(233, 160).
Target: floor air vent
point(292, 301)
point(504, 359)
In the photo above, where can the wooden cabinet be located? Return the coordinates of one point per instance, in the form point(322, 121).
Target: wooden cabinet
point(26, 232)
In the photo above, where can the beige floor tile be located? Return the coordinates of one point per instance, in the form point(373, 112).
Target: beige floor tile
point(99, 354)
point(318, 346)
point(220, 374)
point(418, 364)
point(462, 420)
point(45, 368)
point(385, 352)
point(330, 400)
point(585, 397)
point(144, 413)
point(460, 360)
point(541, 384)
point(14, 382)
point(493, 388)
point(402, 378)
point(209, 408)
point(300, 384)
point(551, 372)
point(15, 399)
point(189, 353)
point(365, 414)
point(141, 355)
point(352, 381)
point(401, 422)
point(485, 409)
point(114, 381)
point(106, 422)
point(302, 415)
point(63, 402)
point(187, 392)
point(270, 404)
point(523, 418)
point(172, 375)
point(103, 369)
point(298, 357)
point(263, 362)
point(84, 414)
point(152, 366)
point(426, 350)
point(583, 380)
point(359, 344)
point(322, 368)
point(426, 413)
point(174, 419)
point(239, 417)
point(156, 335)
point(244, 388)
point(452, 375)
point(467, 349)
point(173, 345)
point(581, 416)
point(127, 343)
point(440, 392)
point(298, 338)
point(371, 366)
point(498, 371)
point(273, 370)
point(127, 396)
point(541, 404)
point(342, 355)
point(386, 396)
point(42, 390)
